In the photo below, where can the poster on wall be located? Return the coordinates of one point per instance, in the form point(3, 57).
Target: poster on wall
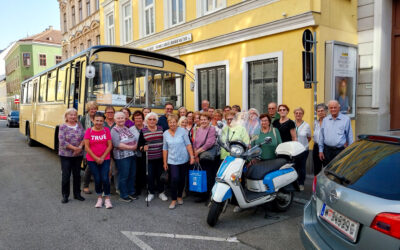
point(343, 76)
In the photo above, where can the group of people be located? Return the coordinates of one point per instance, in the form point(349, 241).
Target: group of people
point(119, 145)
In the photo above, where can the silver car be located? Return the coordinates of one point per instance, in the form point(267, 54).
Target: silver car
point(356, 199)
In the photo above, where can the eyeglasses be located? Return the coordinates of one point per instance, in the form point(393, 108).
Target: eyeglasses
point(110, 112)
point(229, 119)
point(271, 108)
point(281, 109)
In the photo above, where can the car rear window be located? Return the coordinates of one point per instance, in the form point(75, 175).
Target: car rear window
point(14, 113)
point(369, 167)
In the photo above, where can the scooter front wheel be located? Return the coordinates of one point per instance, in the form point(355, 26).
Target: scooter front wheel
point(214, 212)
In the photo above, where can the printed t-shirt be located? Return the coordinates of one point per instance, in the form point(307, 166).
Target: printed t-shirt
point(98, 142)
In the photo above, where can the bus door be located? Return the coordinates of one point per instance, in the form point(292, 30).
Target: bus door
point(74, 86)
point(34, 102)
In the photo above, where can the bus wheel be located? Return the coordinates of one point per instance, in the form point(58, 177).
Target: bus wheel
point(29, 140)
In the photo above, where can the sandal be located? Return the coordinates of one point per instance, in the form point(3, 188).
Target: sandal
point(87, 191)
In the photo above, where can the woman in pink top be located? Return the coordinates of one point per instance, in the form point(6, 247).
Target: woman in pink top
point(205, 140)
point(98, 146)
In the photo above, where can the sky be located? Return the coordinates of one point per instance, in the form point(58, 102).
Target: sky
point(19, 18)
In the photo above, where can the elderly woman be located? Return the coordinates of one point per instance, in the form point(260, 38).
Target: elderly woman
point(190, 118)
point(267, 130)
point(182, 111)
point(286, 127)
point(87, 122)
point(125, 143)
point(234, 131)
point(98, 146)
point(128, 122)
point(322, 110)
point(151, 141)
point(109, 122)
point(183, 121)
point(253, 123)
point(217, 116)
point(303, 132)
point(70, 138)
point(177, 152)
point(203, 141)
point(140, 182)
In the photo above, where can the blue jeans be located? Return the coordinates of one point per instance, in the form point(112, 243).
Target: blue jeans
point(100, 175)
point(126, 175)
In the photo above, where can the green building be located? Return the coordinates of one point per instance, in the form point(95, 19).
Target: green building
point(30, 56)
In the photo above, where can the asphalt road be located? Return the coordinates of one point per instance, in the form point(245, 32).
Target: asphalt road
point(32, 216)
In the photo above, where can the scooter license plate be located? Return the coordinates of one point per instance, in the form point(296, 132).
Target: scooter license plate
point(343, 224)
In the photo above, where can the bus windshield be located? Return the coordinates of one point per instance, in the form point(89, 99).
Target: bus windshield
point(119, 85)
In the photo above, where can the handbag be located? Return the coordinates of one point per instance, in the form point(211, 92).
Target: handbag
point(210, 153)
point(197, 179)
point(164, 177)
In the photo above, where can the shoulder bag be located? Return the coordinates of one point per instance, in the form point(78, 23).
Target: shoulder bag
point(210, 153)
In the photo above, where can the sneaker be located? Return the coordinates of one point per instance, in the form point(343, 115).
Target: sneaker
point(163, 197)
point(301, 187)
point(237, 209)
point(133, 197)
point(99, 203)
point(149, 197)
point(108, 204)
point(126, 199)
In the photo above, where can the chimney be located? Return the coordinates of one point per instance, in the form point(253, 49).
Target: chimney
point(51, 27)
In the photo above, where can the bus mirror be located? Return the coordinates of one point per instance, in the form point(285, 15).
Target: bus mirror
point(90, 71)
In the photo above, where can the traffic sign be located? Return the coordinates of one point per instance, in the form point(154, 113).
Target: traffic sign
point(16, 101)
point(308, 40)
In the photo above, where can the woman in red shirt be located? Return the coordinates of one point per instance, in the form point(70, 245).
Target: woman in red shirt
point(98, 146)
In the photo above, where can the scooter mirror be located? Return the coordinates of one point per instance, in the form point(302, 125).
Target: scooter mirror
point(220, 124)
point(267, 140)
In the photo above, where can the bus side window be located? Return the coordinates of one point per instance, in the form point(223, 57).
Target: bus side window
point(30, 92)
point(51, 86)
point(43, 88)
point(35, 85)
point(61, 76)
point(23, 90)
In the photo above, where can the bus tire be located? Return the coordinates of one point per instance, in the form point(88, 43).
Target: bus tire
point(29, 140)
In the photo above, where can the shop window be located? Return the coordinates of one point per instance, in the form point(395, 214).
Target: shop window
point(27, 59)
point(149, 23)
point(262, 83)
point(177, 11)
point(127, 23)
point(42, 60)
point(110, 29)
point(212, 86)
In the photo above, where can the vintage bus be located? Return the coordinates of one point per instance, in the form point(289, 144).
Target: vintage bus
point(110, 75)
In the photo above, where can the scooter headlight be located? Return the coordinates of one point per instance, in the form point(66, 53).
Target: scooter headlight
point(236, 150)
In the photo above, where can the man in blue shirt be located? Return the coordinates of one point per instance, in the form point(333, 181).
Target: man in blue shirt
point(336, 133)
point(162, 121)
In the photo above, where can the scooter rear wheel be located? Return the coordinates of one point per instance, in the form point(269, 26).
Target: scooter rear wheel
point(214, 212)
point(283, 201)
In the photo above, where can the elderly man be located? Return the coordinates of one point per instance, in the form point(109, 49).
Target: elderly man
point(205, 104)
point(336, 133)
point(162, 121)
point(273, 111)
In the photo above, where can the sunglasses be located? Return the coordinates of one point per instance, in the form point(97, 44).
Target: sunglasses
point(281, 109)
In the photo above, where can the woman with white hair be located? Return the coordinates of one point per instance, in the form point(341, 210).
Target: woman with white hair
point(70, 138)
point(125, 144)
point(151, 141)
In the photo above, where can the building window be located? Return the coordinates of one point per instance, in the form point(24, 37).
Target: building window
point(42, 60)
point(75, 51)
point(177, 11)
point(262, 83)
point(212, 86)
point(82, 47)
point(73, 15)
point(80, 10)
point(98, 40)
point(110, 29)
point(88, 7)
point(58, 59)
point(66, 54)
point(127, 23)
point(97, 4)
point(89, 43)
point(26, 57)
point(149, 17)
point(65, 22)
point(210, 6)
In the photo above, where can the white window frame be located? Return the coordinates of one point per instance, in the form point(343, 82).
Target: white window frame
point(110, 38)
point(201, 6)
point(196, 77)
point(142, 16)
point(245, 74)
point(168, 13)
point(123, 19)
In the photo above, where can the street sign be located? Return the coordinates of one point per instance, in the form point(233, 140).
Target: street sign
point(308, 40)
point(16, 101)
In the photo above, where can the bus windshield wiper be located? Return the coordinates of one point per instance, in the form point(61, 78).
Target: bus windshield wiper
point(342, 179)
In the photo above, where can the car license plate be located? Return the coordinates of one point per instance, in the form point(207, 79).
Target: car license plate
point(346, 226)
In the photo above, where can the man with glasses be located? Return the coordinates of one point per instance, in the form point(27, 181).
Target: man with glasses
point(273, 111)
point(336, 133)
point(162, 121)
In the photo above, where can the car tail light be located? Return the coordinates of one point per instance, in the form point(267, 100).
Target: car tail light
point(387, 223)
point(314, 185)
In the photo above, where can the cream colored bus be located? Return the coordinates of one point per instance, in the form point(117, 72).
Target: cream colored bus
point(109, 75)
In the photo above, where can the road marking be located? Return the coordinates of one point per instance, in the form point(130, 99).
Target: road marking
point(142, 245)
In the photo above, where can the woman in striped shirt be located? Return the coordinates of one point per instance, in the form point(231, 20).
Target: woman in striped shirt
point(151, 141)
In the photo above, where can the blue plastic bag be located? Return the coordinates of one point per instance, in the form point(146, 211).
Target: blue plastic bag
point(197, 180)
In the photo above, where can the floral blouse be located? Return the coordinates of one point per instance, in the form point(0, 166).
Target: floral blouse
point(68, 135)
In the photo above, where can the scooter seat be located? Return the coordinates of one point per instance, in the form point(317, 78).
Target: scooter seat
point(260, 169)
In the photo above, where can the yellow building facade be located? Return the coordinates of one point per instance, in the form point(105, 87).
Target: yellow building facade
point(237, 52)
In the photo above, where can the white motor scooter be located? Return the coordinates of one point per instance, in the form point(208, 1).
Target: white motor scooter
point(268, 181)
